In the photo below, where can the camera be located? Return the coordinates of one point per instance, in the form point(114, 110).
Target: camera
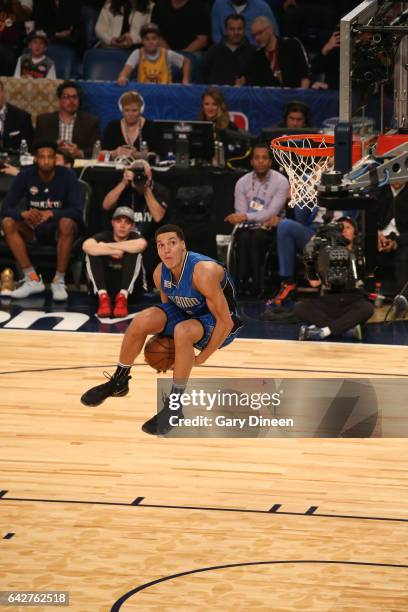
point(327, 257)
point(139, 176)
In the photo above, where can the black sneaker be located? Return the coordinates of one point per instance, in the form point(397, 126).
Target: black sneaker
point(112, 388)
point(159, 424)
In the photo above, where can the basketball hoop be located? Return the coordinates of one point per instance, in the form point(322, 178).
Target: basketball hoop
point(304, 157)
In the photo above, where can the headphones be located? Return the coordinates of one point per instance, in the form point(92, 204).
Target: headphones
point(136, 98)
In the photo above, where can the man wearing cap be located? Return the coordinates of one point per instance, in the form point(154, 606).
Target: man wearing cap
point(36, 64)
point(152, 63)
point(114, 263)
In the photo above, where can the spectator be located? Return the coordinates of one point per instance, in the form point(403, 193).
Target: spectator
point(148, 199)
point(280, 62)
point(90, 10)
point(392, 241)
point(36, 64)
point(214, 109)
point(249, 9)
point(338, 311)
point(260, 198)
point(15, 124)
point(13, 14)
point(74, 129)
point(291, 237)
point(184, 24)
point(119, 22)
point(326, 64)
point(52, 204)
point(123, 137)
point(296, 115)
point(60, 19)
point(228, 62)
point(152, 63)
point(114, 264)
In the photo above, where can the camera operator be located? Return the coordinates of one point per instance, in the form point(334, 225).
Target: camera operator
point(137, 191)
point(335, 263)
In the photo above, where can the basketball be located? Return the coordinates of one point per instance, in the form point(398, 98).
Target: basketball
point(159, 353)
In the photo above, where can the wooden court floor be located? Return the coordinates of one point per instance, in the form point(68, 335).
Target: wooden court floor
point(123, 521)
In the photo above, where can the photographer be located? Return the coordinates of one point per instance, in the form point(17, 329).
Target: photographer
point(147, 199)
point(334, 262)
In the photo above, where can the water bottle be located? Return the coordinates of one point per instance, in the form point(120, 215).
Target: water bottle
point(96, 149)
point(144, 150)
point(25, 157)
point(215, 160)
point(221, 155)
point(379, 297)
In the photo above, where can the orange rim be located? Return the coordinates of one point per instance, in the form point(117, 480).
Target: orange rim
point(305, 151)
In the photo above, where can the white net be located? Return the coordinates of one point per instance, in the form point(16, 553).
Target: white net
point(304, 164)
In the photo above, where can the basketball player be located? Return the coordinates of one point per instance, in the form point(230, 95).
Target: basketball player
point(198, 310)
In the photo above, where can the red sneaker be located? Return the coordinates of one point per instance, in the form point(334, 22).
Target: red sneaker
point(121, 306)
point(286, 292)
point(105, 307)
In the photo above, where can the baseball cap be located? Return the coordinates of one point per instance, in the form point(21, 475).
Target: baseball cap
point(38, 34)
point(124, 211)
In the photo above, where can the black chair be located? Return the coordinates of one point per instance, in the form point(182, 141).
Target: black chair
point(44, 256)
point(103, 64)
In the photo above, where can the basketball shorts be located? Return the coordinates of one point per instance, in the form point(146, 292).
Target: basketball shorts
point(176, 315)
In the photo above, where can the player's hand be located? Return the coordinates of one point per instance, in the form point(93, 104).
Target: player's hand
point(199, 359)
point(32, 217)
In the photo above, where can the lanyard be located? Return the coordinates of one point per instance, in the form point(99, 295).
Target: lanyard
point(263, 185)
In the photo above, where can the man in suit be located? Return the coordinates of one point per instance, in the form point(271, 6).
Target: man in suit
point(15, 124)
point(72, 128)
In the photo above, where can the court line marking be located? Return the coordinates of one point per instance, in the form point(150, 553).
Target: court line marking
point(217, 367)
point(118, 603)
point(3, 498)
point(114, 335)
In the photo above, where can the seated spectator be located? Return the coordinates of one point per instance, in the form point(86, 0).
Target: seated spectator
point(280, 62)
point(326, 64)
point(339, 310)
point(184, 24)
point(248, 9)
point(148, 199)
point(13, 14)
point(229, 61)
point(114, 264)
point(123, 137)
point(15, 124)
point(296, 115)
point(392, 242)
point(120, 21)
point(260, 198)
point(152, 63)
point(72, 128)
point(36, 64)
point(90, 10)
point(53, 204)
point(309, 20)
point(214, 108)
point(291, 237)
point(61, 21)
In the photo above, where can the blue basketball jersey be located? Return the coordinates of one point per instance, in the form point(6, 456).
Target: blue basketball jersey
point(183, 294)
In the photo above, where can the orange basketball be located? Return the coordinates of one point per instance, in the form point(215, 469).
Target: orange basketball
point(159, 353)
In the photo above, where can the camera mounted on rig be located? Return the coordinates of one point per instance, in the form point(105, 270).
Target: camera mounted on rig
point(328, 259)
